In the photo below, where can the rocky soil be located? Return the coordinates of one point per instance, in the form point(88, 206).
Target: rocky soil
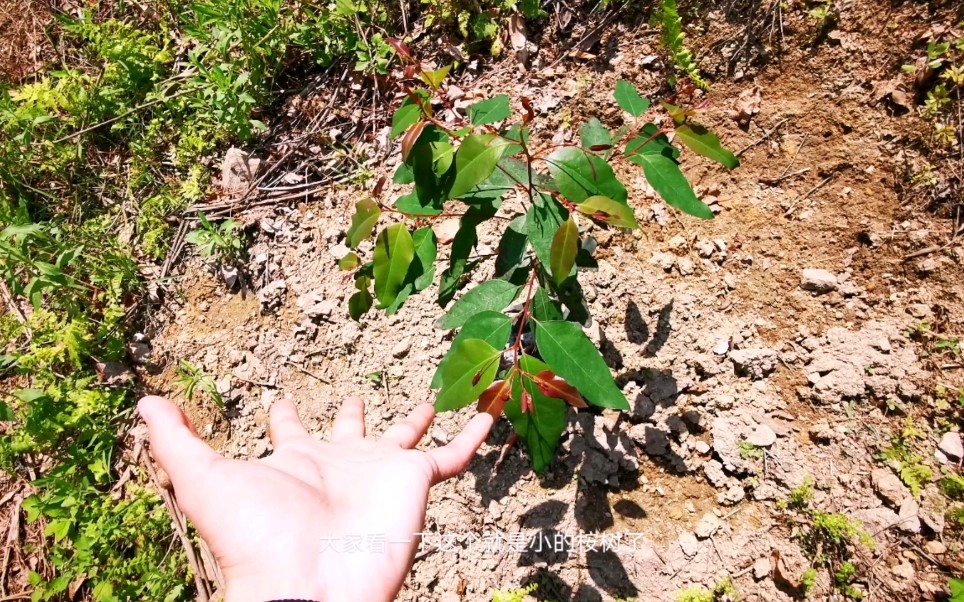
point(759, 351)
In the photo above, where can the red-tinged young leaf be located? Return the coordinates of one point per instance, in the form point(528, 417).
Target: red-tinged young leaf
point(467, 374)
point(600, 147)
point(527, 406)
point(608, 211)
point(410, 138)
point(379, 187)
point(394, 252)
point(551, 385)
point(699, 140)
point(494, 399)
point(530, 112)
point(400, 47)
point(541, 429)
point(363, 222)
point(349, 262)
point(411, 72)
point(562, 254)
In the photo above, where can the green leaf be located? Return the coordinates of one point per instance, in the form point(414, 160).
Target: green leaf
point(957, 590)
point(408, 114)
point(426, 250)
point(629, 99)
point(6, 413)
point(468, 372)
point(702, 142)
point(492, 295)
point(403, 174)
point(394, 251)
point(609, 211)
point(475, 161)
point(562, 254)
point(664, 175)
point(594, 134)
point(580, 174)
point(359, 304)
point(512, 247)
point(542, 223)
point(465, 240)
point(349, 262)
point(543, 307)
point(435, 78)
point(571, 355)
point(541, 429)
point(651, 140)
point(363, 222)
point(411, 204)
point(488, 111)
point(491, 326)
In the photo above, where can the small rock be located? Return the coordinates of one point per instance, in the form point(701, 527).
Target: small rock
point(909, 521)
point(730, 281)
point(440, 436)
point(761, 568)
point(495, 511)
point(935, 547)
point(677, 243)
point(722, 347)
point(763, 436)
point(821, 432)
point(888, 486)
point(708, 525)
point(755, 363)
point(951, 446)
point(272, 295)
point(818, 281)
point(402, 348)
point(904, 570)
point(666, 261)
point(446, 230)
point(921, 311)
point(685, 266)
point(734, 495)
point(928, 266)
point(689, 544)
point(701, 447)
point(705, 248)
point(140, 353)
point(714, 473)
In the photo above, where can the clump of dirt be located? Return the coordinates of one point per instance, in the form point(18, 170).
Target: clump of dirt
point(746, 376)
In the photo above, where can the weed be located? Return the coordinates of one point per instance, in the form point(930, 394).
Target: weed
point(800, 498)
point(844, 577)
point(957, 590)
point(748, 451)
point(912, 472)
point(192, 379)
point(516, 595)
point(808, 581)
point(675, 40)
point(724, 591)
point(952, 486)
point(220, 242)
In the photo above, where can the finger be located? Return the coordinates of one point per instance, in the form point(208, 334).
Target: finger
point(452, 459)
point(174, 443)
point(285, 426)
point(409, 432)
point(350, 421)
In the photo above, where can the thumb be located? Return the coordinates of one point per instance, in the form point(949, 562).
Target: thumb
point(175, 445)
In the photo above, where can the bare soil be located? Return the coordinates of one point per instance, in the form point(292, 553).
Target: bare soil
point(705, 325)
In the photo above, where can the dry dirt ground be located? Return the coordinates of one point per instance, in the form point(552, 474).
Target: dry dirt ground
point(706, 326)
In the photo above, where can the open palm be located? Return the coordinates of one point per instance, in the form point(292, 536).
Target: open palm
point(317, 521)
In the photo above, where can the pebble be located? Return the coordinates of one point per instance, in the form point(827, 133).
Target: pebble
point(689, 544)
point(951, 446)
point(702, 447)
point(763, 436)
point(888, 486)
point(677, 243)
point(909, 521)
point(685, 266)
point(707, 525)
point(818, 281)
point(730, 281)
point(664, 260)
point(722, 347)
point(935, 547)
point(402, 348)
point(761, 568)
point(705, 248)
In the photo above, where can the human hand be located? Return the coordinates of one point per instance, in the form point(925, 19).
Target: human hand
point(274, 524)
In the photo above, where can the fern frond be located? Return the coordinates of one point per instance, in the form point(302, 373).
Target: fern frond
point(675, 41)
